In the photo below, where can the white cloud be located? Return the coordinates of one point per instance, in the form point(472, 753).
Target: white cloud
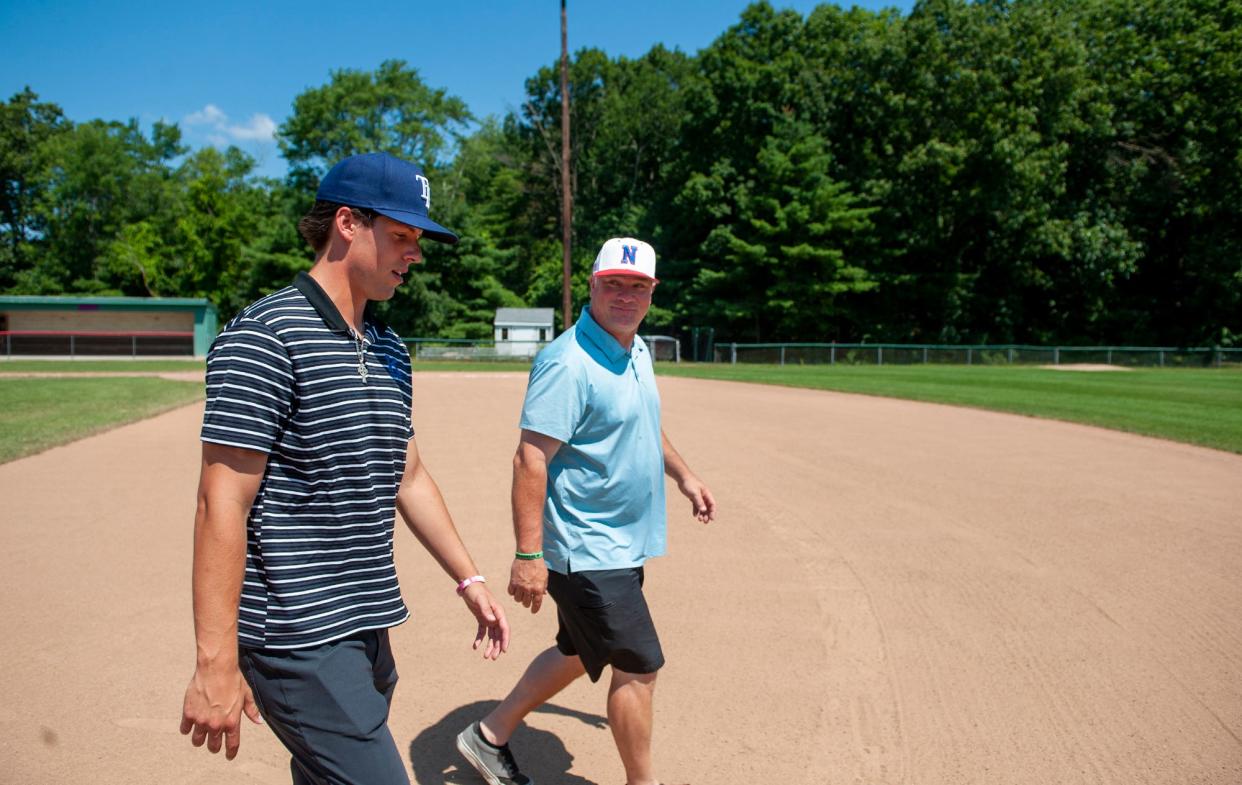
point(259, 128)
point(208, 115)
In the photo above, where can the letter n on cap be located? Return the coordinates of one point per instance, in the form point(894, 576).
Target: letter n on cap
point(629, 254)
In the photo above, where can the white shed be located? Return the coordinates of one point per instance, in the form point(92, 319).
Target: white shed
point(522, 332)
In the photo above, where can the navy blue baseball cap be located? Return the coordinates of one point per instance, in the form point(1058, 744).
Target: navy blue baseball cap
point(388, 185)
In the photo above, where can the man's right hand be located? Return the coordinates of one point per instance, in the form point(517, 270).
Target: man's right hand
point(528, 582)
point(214, 702)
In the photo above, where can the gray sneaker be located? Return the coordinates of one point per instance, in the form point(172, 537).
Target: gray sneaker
point(494, 764)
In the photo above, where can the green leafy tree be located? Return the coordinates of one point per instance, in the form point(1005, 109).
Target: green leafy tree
point(102, 176)
point(26, 125)
point(274, 254)
point(768, 242)
point(1169, 160)
point(481, 193)
point(389, 110)
point(626, 117)
point(999, 170)
point(779, 268)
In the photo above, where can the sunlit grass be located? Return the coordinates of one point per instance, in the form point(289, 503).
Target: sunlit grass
point(36, 414)
point(1198, 406)
point(98, 366)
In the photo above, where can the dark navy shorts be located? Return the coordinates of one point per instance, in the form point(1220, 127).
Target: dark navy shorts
point(604, 620)
point(329, 706)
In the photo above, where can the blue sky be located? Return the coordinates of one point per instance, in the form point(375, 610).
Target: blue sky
point(227, 72)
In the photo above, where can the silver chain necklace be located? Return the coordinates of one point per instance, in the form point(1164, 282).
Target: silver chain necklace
point(362, 361)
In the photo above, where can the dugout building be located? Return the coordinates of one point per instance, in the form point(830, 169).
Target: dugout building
point(72, 326)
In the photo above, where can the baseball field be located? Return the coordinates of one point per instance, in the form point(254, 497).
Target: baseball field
point(894, 592)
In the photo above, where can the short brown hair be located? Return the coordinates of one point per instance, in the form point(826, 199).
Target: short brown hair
point(316, 225)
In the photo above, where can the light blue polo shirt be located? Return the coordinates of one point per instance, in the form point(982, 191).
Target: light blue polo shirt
point(605, 506)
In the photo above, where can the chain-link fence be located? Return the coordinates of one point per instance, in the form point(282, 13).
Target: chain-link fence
point(470, 349)
point(981, 354)
point(663, 348)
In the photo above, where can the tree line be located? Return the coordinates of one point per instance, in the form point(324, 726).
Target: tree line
point(1027, 171)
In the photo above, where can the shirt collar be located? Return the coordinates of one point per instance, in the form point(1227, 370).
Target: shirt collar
point(602, 339)
point(326, 309)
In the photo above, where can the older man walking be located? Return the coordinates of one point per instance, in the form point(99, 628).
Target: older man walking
point(588, 512)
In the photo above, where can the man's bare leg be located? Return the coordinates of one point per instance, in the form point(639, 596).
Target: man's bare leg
point(549, 673)
point(630, 717)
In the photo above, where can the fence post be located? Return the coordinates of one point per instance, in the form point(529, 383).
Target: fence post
point(1110, 355)
point(782, 354)
point(970, 359)
point(832, 355)
point(1056, 355)
point(733, 353)
point(1010, 357)
point(133, 346)
point(1217, 353)
point(879, 355)
point(925, 355)
point(71, 353)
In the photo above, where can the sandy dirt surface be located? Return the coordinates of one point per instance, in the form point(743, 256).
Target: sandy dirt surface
point(1089, 367)
point(895, 592)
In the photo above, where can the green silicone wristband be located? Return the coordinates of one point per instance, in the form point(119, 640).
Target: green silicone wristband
point(528, 556)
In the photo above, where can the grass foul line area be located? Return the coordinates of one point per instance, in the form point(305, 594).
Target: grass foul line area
point(36, 414)
point(99, 366)
point(1197, 406)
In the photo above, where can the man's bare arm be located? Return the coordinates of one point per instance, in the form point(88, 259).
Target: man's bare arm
point(528, 578)
point(701, 499)
point(217, 694)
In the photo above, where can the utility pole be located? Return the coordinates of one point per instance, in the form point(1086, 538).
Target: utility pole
point(567, 210)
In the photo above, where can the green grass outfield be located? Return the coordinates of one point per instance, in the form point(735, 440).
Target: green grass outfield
point(1198, 406)
point(99, 366)
point(162, 366)
point(36, 414)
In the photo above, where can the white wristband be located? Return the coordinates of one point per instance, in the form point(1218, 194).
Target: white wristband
point(461, 587)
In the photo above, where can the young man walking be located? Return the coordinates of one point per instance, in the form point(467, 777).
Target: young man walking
point(588, 511)
point(308, 451)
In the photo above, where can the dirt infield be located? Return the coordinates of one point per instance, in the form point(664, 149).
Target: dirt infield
point(895, 592)
point(1086, 367)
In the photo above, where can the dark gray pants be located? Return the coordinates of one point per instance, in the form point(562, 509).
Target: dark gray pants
point(329, 706)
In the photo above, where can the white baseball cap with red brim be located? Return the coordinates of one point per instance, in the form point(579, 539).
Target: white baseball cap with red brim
point(626, 256)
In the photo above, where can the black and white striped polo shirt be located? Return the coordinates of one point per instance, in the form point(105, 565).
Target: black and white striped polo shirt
point(283, 378)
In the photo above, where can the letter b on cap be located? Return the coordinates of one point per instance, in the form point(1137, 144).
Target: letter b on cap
point(426, 187)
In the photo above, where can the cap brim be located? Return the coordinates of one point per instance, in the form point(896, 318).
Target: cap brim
point(631, 273)
point(431, 229)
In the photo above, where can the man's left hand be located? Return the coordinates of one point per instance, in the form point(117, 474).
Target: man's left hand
point(491, 618)
point(700, 497)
